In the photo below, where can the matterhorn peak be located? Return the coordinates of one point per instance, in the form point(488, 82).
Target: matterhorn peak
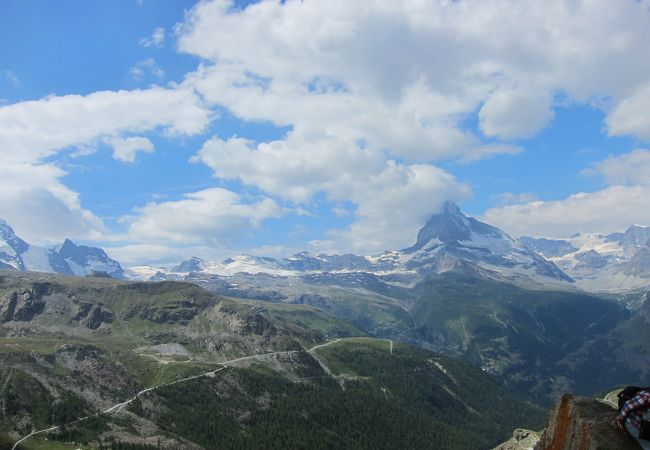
point(450, 224)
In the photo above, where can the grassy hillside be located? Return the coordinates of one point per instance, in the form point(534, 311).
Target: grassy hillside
point(410, 398)
point(112, 313)
point(73, 347)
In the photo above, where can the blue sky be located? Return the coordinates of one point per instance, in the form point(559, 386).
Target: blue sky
point(162, 130)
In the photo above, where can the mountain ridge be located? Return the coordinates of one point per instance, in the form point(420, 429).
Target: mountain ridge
point(67, 258)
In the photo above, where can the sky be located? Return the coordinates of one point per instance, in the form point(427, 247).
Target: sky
point(161, 130)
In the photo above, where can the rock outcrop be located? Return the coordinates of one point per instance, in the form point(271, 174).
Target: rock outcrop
point(580, 423)
point(22, 305)
point(521, 440)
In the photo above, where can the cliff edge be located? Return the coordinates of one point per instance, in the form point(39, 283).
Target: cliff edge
point(581, 423)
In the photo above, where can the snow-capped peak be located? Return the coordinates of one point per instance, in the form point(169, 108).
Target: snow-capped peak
point(68, 258)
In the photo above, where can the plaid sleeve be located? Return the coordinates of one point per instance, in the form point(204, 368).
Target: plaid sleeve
point(641, 400)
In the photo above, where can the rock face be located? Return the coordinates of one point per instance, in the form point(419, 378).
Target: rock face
point(22, 305)
point(638, 265)
point(580, 423)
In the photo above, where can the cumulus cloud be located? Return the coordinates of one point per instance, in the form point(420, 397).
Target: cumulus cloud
point(40, 208)
point(126, 149)
point(382, 90)
point(157, 38)
point(631, 168)
point(296, 169)
point(632, 115)
point(611, 209)
point(394, 204)
point(514, 114)
point(211, 216)
point(625, 201)
point(33, 130)
point(375, 94)
point(403, 75)
point(35, 200)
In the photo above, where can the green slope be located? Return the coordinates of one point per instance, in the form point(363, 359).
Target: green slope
point(517, 334)
point(410, 398)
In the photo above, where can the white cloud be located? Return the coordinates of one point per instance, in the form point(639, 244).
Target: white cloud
point(625, 201)
point(35, 200)
point(40, 208)
point(126, 149)
point(388, 195)
point(393, 204)
point(514, 114)
point(631, 168)
point(295, 168)
point(146, 67)
point(403, 75)
point(632, 115)
point(32, 130)
point(157, 38)
point(611, 209)
point(375, 94)
point(210, 217)
point(363, 85)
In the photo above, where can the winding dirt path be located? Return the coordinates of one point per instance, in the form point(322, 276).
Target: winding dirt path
point(225, 364)
point(120, 406)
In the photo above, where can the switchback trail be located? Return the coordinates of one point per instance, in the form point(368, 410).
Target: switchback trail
point(119, 406)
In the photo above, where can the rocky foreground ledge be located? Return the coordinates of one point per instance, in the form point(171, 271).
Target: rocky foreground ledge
point(575, 423)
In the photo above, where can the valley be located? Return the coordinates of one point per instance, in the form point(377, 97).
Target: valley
point(258, 373)
point(468, 322)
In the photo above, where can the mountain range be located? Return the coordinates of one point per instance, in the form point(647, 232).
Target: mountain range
point(448, 242)
point(615, 262)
